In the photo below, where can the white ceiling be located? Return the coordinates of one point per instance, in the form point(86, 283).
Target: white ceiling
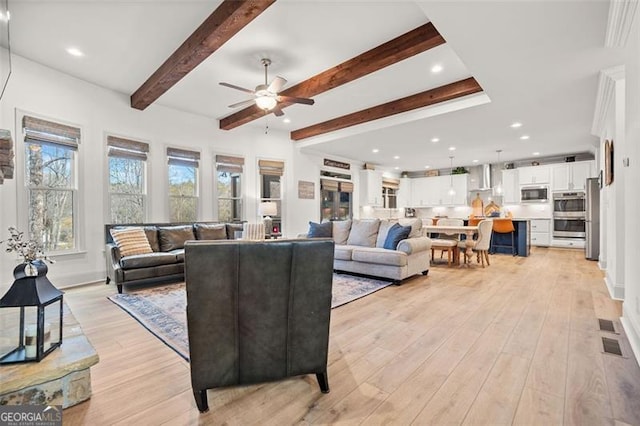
point(538, 62)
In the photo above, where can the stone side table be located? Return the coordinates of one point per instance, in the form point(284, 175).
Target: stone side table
point(62, 378)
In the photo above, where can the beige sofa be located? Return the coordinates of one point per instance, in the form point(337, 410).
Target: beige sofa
point(359, 249)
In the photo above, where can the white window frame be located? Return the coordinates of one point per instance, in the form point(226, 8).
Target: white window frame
point(145, 178)
point(243, 185)
point(23, 192)
point(197, 183)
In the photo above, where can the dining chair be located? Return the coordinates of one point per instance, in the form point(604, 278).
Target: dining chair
point(253, 231)
point(447, 241)
point(504, 226)
point(481, 245)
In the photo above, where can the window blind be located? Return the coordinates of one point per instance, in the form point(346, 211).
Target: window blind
point(390, 183)
point(329, 185)
point(37, 130)
point(229, 164)
point(346, 187)
point(183, 157)
point(126, 148)
point(272, 168)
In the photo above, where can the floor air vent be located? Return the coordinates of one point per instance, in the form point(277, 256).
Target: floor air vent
point(606, 325)
point(611, 346)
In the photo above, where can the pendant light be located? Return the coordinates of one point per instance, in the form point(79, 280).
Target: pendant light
point(497, 190)
point(452, 190)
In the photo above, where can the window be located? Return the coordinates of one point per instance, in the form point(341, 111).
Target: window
point(270, 188)
point(390, 188)
point(229, 176)
point(183, 185)
point(127, 180)
point(51, 182)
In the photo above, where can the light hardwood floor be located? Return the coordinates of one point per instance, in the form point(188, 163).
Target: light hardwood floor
point(514, 343)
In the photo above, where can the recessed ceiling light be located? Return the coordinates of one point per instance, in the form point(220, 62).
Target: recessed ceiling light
point(396, 157)
point(74, 51)
point(475, 161)
point(516, 124)
point(427, 167)
point(286, 120)
point(536, 153)
point(397, 168)
point(452, 148)
point(434, 140)
point(375, 150)
point(524, 137)
point(436, 68)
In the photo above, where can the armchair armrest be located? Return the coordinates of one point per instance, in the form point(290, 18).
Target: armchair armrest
point(414, 245)
point(112, 257)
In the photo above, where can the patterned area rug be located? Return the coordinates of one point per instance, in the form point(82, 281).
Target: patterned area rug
point(162, 309)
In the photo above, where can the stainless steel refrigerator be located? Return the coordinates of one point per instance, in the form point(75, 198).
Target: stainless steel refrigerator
point(592, 222)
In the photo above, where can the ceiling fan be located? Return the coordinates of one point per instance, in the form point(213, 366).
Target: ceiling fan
point(266, 96)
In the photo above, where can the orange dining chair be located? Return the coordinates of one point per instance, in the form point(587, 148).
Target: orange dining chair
point(474, 221)
point(504, 226)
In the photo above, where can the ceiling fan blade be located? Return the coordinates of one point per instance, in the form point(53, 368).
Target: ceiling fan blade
point(277, 84)
point(277, 111)
point(233, 86)
point(243, 103)
point(294, 100)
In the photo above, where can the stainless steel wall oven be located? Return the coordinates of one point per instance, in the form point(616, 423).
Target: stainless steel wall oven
point(569, 215)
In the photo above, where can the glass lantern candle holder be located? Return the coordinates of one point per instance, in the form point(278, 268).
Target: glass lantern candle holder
point(32, 312)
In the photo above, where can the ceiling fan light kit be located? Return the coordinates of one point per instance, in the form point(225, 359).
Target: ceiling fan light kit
point(266, 95)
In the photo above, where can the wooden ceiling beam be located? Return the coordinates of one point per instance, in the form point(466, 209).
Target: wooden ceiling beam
point(225, 22)
point(409, 44)
point(419, 100)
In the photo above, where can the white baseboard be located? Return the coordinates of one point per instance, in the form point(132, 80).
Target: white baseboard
point(615, 292)
point(602, 265)
point(632, 329)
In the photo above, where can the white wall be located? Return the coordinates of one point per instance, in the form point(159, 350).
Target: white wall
point(631, 207)
point(39, 90)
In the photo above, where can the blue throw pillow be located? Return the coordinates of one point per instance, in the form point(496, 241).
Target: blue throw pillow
point(319, 230)
point(396, 234)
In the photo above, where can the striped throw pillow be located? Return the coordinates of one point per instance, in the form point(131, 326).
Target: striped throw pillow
point(131, 241)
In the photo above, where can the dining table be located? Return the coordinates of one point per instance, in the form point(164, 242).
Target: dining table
point(469, 231)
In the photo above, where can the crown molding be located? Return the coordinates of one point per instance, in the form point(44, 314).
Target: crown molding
point(621, 14)
point(604, 99)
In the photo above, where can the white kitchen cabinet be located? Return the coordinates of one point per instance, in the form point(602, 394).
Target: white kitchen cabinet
point(434, 191)
point(370, 188)
point(571, 176)
point(541, 232)
point(404, 193)
point(534, 175)
point(510, 187)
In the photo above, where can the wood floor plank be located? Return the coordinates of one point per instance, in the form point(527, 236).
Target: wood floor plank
point(451, 347)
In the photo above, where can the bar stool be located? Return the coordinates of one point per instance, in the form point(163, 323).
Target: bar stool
point(504, 226)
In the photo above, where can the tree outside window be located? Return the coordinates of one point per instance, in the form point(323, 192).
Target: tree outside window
point(229, 171)
point(50, 177)
point(183, 185)
point(127, 180)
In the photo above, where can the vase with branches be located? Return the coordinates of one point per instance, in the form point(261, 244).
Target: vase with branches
point(30, 250)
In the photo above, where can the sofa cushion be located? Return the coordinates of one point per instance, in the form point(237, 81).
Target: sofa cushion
point(340, 231)
point(416, 226)
point(173, 237)
point(152, 237)
point(396, 234)
point(179, 253)
point(363, 233)
point(205, 231)
point(147, 260)
point(385, 225)
point(379, 256)
point(232, 228)
point(131, 241)
point(320, 230)
point(343, 252)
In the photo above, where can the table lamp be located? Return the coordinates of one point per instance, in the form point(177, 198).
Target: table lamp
point(266, 210)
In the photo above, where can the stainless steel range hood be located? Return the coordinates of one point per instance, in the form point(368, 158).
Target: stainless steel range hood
point(484, 178)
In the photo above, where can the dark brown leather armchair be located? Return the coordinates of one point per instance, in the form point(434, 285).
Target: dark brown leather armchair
point(257, 311)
